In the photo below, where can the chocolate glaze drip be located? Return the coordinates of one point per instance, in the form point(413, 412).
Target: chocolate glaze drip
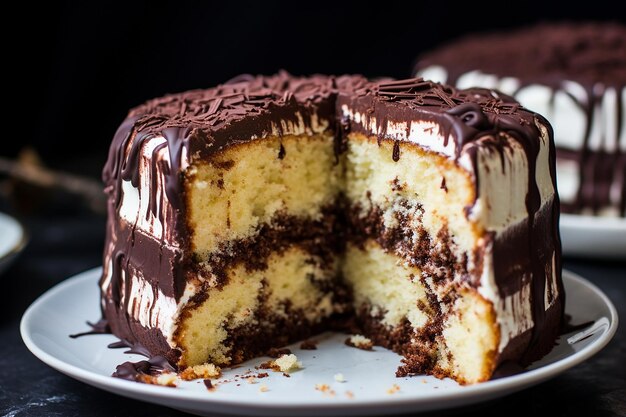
point(200, 123)
point(590, 54)
point(396, 151)
point(136, 371)
point(136, 348)
point(100, 327)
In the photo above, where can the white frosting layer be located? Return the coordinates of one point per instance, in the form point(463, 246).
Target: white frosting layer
point(287, 127)
point(420, 132)
point(513, 312)
point(149, 306)
point(514, 315)
point(134, 207)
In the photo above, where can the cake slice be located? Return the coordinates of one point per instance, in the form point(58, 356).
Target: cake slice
point(268, 209)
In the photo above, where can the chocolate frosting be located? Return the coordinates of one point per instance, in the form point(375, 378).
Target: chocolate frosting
point(202, 122)
point(464, 115)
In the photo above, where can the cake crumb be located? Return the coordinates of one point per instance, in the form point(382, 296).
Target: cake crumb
point(308, 345)
point(288, 363)
point(325, 389)
point(350, 394)
point(263, 388)
point(285, 363)
point(339, 378)
point(278, 352)
point(166, 379)
point(209, 385)
point(205, 371)
point(394, 388)
point(262, 375)
point(360, 342)
point(251, 379)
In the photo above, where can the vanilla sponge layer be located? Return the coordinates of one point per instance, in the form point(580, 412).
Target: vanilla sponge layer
point(426, 188)
point(386, 285)
point(393, 291)
point(249, 184)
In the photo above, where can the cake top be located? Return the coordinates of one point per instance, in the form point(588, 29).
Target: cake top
point(243, 97)
point(201, 122)
point(247, 105)
point(547, 53)
point(470, 113)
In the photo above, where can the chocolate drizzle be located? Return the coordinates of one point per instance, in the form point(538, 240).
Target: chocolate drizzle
point(396, 151)
point(100, 327)
point(138, 371)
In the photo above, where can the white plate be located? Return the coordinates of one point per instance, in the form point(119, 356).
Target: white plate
point(12, 240)
point(369, 375)
point(591, 236)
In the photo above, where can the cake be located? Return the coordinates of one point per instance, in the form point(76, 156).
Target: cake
point(574, 75)
point(270, 208)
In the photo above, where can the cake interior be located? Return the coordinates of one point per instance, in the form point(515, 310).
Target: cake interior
point(290, 238)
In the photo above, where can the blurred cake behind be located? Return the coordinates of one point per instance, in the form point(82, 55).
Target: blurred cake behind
point(574, 75)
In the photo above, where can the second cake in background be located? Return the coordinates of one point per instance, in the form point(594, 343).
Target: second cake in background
point(574, 75)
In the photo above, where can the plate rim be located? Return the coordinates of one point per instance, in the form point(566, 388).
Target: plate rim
point(485, 389)
point(587, 222)
point(21, 242)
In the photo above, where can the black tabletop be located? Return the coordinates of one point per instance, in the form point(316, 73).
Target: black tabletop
point(66, 242)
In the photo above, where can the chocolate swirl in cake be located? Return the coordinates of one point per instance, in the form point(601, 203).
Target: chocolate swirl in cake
point(466, 116)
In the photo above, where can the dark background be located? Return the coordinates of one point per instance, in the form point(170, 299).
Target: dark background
point(84, 64)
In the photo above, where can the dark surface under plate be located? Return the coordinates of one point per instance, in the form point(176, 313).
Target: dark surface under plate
point(65, 243)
